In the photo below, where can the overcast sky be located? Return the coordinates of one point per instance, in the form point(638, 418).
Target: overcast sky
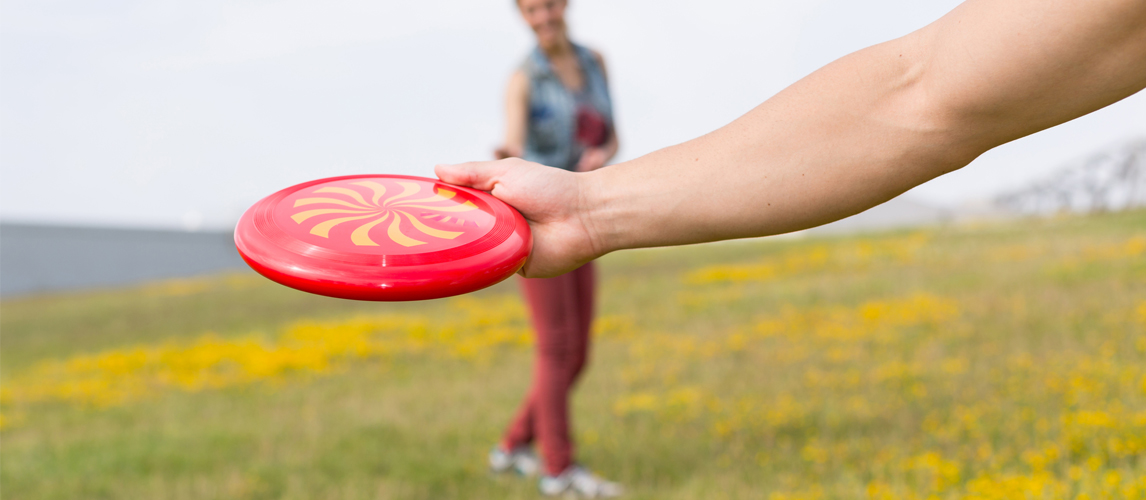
point(167, 113)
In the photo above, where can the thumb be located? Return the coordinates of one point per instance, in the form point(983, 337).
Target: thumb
point(481, 175)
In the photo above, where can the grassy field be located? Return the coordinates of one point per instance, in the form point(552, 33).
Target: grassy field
point(1001, 361)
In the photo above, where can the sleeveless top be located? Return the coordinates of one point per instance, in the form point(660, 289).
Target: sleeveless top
point(562, 123)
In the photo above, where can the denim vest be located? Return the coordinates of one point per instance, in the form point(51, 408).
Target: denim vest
point(552, 124)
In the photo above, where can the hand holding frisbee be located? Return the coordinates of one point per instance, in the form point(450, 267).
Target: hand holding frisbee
point(556, 203)
point(383, 237)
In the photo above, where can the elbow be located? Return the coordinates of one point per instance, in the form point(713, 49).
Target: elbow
point(943, 130)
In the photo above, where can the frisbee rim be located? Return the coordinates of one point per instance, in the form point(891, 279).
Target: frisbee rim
point(477, 264)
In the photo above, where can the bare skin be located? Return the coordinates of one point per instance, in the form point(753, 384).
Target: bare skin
point(850, 136)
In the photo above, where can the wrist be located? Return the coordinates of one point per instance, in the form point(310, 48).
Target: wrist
point(599, 212)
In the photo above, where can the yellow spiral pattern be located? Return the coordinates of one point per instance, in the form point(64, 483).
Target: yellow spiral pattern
point(379, 209)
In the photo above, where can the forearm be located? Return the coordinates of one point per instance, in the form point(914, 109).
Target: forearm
point(822, 149)
point(873, 124)
point(611, 146)
point(599, 156)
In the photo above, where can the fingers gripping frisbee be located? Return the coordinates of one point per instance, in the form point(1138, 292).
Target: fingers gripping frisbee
point(383, 237)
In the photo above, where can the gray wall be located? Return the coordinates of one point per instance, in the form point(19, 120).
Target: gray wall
point(36, 258)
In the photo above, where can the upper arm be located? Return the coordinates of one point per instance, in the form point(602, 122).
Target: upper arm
point(1003, 69)
point(516, 110)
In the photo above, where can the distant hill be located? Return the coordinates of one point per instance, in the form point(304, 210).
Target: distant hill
point(42, 258)
point(900, 212)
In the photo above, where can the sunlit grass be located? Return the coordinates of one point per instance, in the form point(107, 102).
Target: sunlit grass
point(1003, 361)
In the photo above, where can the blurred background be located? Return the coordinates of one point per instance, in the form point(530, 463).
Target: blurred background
point(178, 116)
point(984, 335)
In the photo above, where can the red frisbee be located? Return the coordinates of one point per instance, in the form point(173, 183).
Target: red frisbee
point(383, 237)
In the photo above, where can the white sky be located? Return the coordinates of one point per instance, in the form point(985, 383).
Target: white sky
point(168, 113)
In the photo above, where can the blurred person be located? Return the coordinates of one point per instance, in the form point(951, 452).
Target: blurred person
point(558, 114)
point(851, 135)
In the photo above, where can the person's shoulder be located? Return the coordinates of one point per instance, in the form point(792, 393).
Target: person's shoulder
point(519, 82)
point(594, 53)
point(532, 64)
point(598, 57)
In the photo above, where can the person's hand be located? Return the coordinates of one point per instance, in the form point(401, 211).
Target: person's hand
point(592, 159)
point(503, 152)
point(551, 199)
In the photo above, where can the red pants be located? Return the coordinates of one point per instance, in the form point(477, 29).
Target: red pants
point(562, 310)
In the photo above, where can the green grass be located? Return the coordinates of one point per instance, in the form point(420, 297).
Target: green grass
point(956, 362)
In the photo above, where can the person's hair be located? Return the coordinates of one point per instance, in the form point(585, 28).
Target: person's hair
point(518, 2)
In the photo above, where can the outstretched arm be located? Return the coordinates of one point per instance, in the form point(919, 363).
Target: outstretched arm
point(850, 136)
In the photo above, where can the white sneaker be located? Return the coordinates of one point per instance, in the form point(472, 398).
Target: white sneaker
point(521, 460)
point(578, 482)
